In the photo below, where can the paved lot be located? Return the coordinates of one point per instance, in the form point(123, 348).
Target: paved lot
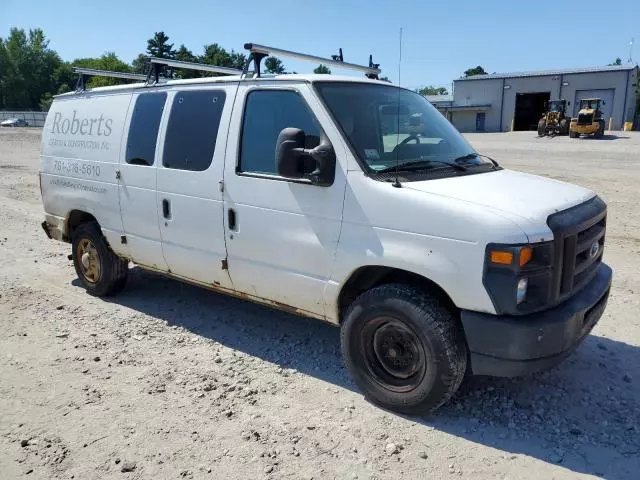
point(171, 381)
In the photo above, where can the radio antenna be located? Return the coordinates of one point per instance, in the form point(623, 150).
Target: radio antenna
point(397, 183)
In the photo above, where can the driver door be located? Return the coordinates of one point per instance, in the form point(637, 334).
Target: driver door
point(281, 233)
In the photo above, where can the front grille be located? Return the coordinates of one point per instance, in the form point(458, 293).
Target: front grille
point(585, 119)
point(579, 234)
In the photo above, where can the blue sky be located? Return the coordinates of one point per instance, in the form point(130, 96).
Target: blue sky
point(441, 40)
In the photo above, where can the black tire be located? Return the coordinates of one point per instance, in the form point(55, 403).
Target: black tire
point(573, 134)
point(564, 126)
point(542, 126)
point(600, 132)
point(432, 358)
point(107, 273)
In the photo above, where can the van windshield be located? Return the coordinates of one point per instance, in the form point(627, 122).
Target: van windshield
point(385, 124)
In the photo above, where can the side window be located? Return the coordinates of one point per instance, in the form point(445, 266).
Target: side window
point(192, 130)
point(143, 131)
point(266, 113)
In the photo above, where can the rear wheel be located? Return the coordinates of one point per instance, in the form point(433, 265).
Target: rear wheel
point(542, 126)
point(101, 271)
point(600, 131)
point(403, 348)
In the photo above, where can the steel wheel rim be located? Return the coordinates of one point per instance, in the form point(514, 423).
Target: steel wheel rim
point(89, 260)
point(394, 354)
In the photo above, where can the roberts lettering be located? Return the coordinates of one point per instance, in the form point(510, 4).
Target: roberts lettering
point(95, 126)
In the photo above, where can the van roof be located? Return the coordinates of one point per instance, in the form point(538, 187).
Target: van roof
point(234, 79)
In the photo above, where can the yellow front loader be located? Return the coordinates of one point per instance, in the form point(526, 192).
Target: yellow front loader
point(554, 121)
point(589, 121)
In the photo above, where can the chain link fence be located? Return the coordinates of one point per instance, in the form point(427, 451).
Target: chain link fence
point(34, 119)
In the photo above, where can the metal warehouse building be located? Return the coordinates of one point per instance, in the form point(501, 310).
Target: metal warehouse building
point(502, 102)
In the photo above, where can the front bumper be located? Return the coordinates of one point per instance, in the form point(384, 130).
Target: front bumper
point(510, 346)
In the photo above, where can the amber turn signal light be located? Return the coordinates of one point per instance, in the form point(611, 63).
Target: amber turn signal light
point(525, 255)
point(501, 258)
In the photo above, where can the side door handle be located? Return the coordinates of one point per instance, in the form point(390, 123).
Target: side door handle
point(166, 209)
point(232, 221)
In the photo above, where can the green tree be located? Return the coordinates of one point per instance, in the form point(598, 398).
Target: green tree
point(273, 65)
point(27, 65)
point(185, 55)
point(431, 90)
point(238, 60)
point(617, 61)
point(385, 79)
point(215, 54)
point(108, 61)
point(474, 71)
point(322, 69)
point(159, 46)
point(140, 64)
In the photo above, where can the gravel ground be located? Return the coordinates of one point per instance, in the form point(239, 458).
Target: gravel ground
point(170, 381)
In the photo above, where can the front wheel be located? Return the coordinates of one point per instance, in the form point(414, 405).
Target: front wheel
point(542, 126)
point(101, 271)
point(564, 126)
point(403, 348)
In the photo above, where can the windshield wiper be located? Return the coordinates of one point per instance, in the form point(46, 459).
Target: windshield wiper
point(469, 156)
point(420, 164)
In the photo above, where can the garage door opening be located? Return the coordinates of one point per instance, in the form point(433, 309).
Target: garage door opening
point(529, 109)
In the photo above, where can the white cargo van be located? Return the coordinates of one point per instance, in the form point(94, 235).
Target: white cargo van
point(344, 199)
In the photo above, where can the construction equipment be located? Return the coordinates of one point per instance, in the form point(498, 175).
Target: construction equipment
point(589, 121)
point(554, 121)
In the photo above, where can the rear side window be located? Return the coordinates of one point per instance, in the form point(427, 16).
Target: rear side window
point(266, 113)
point(193, 128)
point(143, 132)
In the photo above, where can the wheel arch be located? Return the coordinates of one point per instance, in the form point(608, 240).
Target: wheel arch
point(369, 276)
point(77, 217)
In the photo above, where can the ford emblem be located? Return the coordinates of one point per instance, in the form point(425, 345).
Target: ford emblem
point(594, 249)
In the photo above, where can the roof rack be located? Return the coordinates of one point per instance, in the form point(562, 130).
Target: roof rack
point(159, 64)
point(91, 72)
point(259, 52)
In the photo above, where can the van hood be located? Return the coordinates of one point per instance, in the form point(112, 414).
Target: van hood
point(521, 197)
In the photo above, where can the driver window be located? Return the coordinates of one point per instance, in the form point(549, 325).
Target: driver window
point(266, 113)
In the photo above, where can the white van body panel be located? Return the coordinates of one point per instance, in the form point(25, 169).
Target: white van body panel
point(138, 205)
point(81, 139)
point(527, 199)
point(287, 231)
point(193, 237)
point(436, 237)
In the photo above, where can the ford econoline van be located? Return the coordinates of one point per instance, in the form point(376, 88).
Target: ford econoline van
point(345, 199)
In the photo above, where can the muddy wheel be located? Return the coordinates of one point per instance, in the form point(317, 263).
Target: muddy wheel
point(101, 271)
point(542, 126)
point(564, 126)
point(404, 349)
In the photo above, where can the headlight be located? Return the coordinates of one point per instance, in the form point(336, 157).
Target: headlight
point(521, 291)
point(518, 277)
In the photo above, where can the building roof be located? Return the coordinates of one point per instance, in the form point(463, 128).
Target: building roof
point(543, 73)
point(439, 98)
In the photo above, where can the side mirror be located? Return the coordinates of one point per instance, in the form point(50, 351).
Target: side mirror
point(294, 161)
